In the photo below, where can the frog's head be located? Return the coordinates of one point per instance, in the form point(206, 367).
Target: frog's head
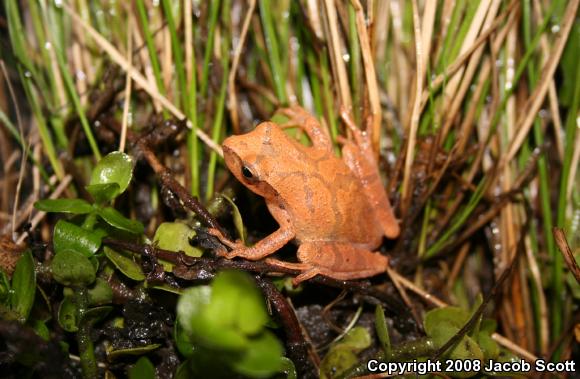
point(253, 158)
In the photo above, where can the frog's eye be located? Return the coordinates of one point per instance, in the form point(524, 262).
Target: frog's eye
point(247, 172)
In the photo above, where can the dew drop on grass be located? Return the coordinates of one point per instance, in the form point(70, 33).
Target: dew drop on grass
point(58, 3)
point(346, 57)
point(27, 74)
point(80, 74)
point(555, 28)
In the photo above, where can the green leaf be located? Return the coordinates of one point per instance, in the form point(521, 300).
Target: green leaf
point(126, 265)
point(357, 339)
point(116, 167)
point(262, 357)
point(488, 346)
point(4, 288)
point(103, 192)
point(237, 302)
point(141, 350)
point(96, 314)
point(190, 306)
point(342, 354)
point(100, 293)
point(175, 236)
point(453, 316)
point(182, 341)
point(74, 206)
point(41, 329)
point(288, 368)
point(68, 236)
point(238, 222)
point(23, 285)
point(72, 268)
point(337, 361)
point(143, 369)
point(382, 331)
point(117, 220)
point(67, 315)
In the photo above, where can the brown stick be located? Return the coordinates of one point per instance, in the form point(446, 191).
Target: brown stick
point(167, 179)
point(562, 243)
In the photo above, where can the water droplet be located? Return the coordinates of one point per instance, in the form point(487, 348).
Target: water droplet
point(80, 74)
point(47, 45)
point(346, 57)
point(555, 28)
point(58, 3)
point(28, 74)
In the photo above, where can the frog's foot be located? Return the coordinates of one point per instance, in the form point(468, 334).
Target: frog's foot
point(361, 138)
point(308, 271)
point(300, 118)
point(236, 246)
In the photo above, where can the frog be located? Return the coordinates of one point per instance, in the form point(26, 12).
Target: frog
point(334, 208)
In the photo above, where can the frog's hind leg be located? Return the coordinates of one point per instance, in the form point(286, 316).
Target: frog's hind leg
point(340, 261)
point(300, 118)
point(358, 156)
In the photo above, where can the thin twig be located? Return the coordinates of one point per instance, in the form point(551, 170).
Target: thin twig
point(232, 100)
point(560, 238)
point(412, 130)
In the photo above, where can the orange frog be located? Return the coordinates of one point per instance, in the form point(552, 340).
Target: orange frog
point(335, 209)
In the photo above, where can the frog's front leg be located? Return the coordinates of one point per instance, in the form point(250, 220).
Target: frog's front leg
point(266, 246)
point(300, 118)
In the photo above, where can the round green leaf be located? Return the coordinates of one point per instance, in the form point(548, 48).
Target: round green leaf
point(337, 361)
point(72, 268)
point(191, 304)
point(117, 220)
point(68, 236)
point(357, 339)
point(74, 206)
point(126, 265)
point(67, 315)
point(116, 167)
point(143, 369)
point(237, 302)
point(262, 357)
point(100, 293)
point(103, 192)
point(453, 316)
point(175, 236)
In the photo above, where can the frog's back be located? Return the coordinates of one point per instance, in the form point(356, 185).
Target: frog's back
point(328, 204)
